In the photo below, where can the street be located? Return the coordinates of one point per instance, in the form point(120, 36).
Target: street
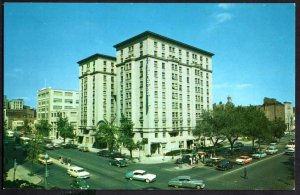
point(274, 172)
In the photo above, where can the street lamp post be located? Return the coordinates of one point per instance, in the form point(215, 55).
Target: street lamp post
point(15, 167)
point(46, 170)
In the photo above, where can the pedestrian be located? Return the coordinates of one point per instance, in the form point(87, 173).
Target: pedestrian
point(245, 173)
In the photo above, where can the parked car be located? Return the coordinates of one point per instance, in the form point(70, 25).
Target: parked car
point(67, 146)
point(271, 150)
point(289, 151)
point(259, 155)
point(78, 172)
point(49, 147)
point(119, 162)
point(184, 159)
point(83, 148)
point(186, 182)
point(104, 153)
point(141, 175)
point(57, 146)
point(242, 160)
point(114, 154)
point(79, 183)
point(290, 145)
point(42, 160)
point(225, 164)
point(212, 161)
point(238, 145)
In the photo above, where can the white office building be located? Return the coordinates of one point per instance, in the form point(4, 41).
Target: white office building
point(54, 102)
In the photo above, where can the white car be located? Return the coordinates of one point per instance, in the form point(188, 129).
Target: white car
point(78, 172)
point(243, 160)
point(290, 151)
point(42, 160)
point(140, 175)
point(271, 150)
point(290, 145)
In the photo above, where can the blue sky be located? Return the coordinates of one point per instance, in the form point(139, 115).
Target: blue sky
point(254, 44)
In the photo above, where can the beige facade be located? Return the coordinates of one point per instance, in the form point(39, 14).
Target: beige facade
point(162, 86)
point(54, 102)
point(16, 104)
point(97, 77)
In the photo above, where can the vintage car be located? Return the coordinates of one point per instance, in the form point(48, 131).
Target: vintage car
point(78, 172)
point(42, 159)
point(83, 148)
point(242, 160)
point(225, 164)
point(119, 162)
point(271, 150)
point(211, 161)
point(186, 182)
point(140, 175)
point(79, 183)
point(289, 151)
point(259, 155)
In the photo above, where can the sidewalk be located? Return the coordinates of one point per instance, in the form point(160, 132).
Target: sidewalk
point(22, 174)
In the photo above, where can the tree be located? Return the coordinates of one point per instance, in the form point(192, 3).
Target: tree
point(209, 127)
point(64, 128)
point(26, 127)
point(277, 128)
point(106, 131)
point(257, 124)
point(126, 134)
point(43, 128)
point(33, 151)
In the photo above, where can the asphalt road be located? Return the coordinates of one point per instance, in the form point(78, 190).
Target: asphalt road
point(271, 173)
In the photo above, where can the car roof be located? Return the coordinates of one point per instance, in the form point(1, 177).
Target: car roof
point(119, 159)
point(183, 177)
point(139, 171)
point(75, 168)
point(244, 156)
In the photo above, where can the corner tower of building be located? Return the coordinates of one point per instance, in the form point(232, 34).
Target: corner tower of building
point(97, 77)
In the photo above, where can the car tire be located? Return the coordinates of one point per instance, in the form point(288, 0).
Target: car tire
point(198, 187)
point(118, 165)
point(147, 180)
point(131, 178)
point(176, 186)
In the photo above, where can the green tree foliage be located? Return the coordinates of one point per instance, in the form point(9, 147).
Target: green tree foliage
point(43, 128)
point(34, 148)
point(256, 124)
point(277, 128)
point(126, 134)
point(106, 131)
point(209, 127)
point(64, 128)
point(26, 127)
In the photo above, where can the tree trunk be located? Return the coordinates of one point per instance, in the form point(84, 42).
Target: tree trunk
point(130, 153)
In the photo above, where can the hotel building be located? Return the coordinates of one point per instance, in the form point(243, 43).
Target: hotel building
point(51, 103)
point(162, 86)
point(97, 77)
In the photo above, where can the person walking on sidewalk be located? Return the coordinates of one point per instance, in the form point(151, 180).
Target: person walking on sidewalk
point(245, 173)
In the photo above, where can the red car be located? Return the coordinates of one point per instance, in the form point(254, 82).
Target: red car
point(243, 160)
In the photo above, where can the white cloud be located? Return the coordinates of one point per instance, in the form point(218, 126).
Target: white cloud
point(223, 17)
point(224, 5)
point(243, 85)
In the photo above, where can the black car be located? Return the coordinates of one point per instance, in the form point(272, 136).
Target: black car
point(79, 183)
point(68, 146)
point(225, 165)
point(104, 153)
point(184, 159)
point(113, 155)
point(211, 162)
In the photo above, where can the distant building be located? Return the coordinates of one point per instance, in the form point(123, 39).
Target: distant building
point(5, 102)
point(15, 116)
point(16, 104)
point(51, 103)
point(274, 109)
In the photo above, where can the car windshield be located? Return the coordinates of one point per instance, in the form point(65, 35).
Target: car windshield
point(80, 170)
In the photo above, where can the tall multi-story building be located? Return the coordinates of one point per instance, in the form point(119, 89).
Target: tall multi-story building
point(51, 103)
point(97, 78)
point(16, 104)
point(162, 86)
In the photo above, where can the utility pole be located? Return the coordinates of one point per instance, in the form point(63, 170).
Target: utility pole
point(15, 167)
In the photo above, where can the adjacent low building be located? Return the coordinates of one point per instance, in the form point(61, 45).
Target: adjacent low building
point(52, 103)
